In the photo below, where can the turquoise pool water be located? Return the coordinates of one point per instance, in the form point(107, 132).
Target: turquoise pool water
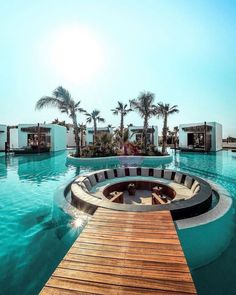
point(33, 240)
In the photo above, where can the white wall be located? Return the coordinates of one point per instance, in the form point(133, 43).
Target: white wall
point(132, 135)
point(70, 138)
point(219, 132)
point(57, 133)
point(58, 137)
point(3, 137)
point(216, 135)
point(22, 136)
point(183, 135)
point(14, 138)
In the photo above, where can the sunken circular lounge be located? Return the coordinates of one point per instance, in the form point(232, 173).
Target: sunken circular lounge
point(142, 189)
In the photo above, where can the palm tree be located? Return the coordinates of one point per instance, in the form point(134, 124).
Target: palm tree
point(123, 111)
point(164, 110)
point(82, 132)
point(146, 109)
point(61, 99)
point(61, 123)
point(95, 118)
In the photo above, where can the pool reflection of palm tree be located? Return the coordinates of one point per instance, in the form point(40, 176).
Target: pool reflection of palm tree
point(63, 100)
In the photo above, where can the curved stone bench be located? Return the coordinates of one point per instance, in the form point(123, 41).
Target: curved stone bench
point(193, 194)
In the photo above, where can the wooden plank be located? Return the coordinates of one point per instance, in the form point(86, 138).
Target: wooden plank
point(129, 255)
point(134, 272)
point(126, 248)
point(156, 199)
point(139, 244)
point(128, 230)
point(105, 232)
point(133, 238)
point(146, 245)
point(164, 284)
point(130, 227)
point(59, 286)
point(124, 253)
point(127, 263)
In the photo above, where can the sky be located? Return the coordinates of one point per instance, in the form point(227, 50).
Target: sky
point(108, 51)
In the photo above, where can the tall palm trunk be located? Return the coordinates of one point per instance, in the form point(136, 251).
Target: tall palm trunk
point(76, 131)
point(122, 129)
point(145, 127)
point(81, 138)
point(94, 130)
point(164, 135)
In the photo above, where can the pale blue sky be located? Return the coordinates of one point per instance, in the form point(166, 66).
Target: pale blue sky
point(183, 51)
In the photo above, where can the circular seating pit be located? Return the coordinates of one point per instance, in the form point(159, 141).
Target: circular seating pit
point(188, 195)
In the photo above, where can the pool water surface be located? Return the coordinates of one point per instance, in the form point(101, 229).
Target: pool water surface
point(34, 239)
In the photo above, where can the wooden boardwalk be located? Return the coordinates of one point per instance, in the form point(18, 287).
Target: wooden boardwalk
point(124, 253)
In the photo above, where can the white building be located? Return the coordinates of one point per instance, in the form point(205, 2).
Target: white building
point(135, 134)
point(50, 136)
point(3, 137)
point(13, 137)
point(90, 133)
point(70, 137)
point(206, 136)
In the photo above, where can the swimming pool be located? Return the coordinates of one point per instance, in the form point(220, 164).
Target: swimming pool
point(33, 241)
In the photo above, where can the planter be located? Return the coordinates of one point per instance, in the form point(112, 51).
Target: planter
point(131, 189)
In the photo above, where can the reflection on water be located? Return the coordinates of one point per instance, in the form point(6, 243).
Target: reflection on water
point(36, 233)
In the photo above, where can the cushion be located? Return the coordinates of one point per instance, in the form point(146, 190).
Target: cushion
point(86, 182)
point(188, 182)
point(178, 177)
point(157, 173)
point(121, 172)
point(101, 176)
point(145, 171)
point(92, 179)
point(167, 174)
point(110, 174)
point(195, 184)
point(133, 171)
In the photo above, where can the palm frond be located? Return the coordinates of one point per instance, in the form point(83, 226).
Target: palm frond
point(115, 111)
point(63, 93)
point(77, 104)
point(120, 105)
point(95, 113)
point(99, 119)
point(89, 119)
point(46, 101)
